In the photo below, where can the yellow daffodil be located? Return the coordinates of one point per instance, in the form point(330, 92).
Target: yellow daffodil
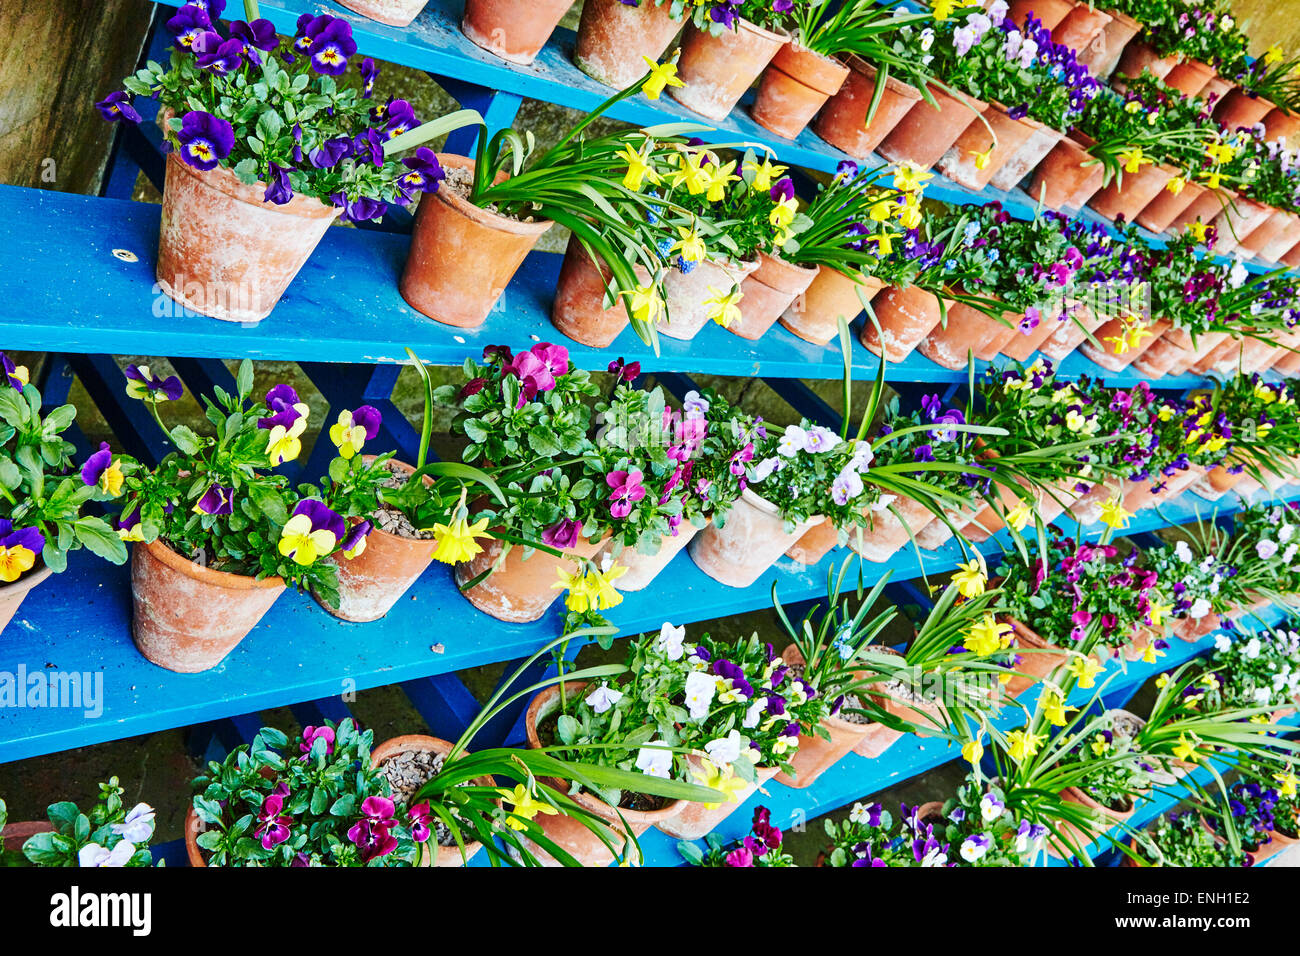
point(1158, 611)
point(1023, 744)
point(639, 170)
point(691, 173)
point(458, 541)
point(1054, 709)
point(1273, 55)
point(1260, 719)
point(347, 435)
point(644, 304)
point(299, 542)
point(971, 577)
point(909, 215)
point(723, 307)
point(724, 779)
point(1185, 749)
point(942, 9)
point(1020, 516)
point(662, 75)
point(15, 561)
point(690, 246)
point(600, 585)
point(1220, 153)
point(1214, 180)
point(884, 242)
point(1176, 184)
point(982, 159)
point(1287, 783)
point(1085, 670)
point(579, 596)
point(1197, 230)
point(522, 806)
point(720, 177)
point(972, 751)
point(1151, 653)
point(285, 444)
point(1134, 159)
point(882, 210)
point(987, 636)
point(1114, 515)
point(910, 178)
point(765, 173)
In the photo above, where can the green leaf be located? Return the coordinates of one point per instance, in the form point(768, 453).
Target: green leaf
point(186, 439)
point(100, 539)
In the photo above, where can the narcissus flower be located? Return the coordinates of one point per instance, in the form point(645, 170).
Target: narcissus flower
point(720, 177)
point(311, 532)
point(639, 169)
point(720, 778)
point(1054, 709)
point(1287, 783)
point(523, 807)
point(765, 174)
point(1176, 184)
point(18, 550)
point(1023, 744)
point(458, 541)
point(1085, 670)
point(972, 751)
point(147, 387)
point(1185, 749)
point(910, 178)
point(982, 159)
point(662, 75)
point(690, 246)
point(971, 577)
point(987, 636)
point(102, 472)
point(1134, 159)
point(644, 304)
point(1020, 516)
point(1114, 515)
point(724, 307)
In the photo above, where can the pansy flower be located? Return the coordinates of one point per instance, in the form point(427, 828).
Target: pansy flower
point(18, 550)
point(189, 21)
point(117, 106)
point(216, 501)
point(129, 526)
point(354, 428)
point(147, 387)
point(205, 139)
point(16, 375)
point(355, 543)
point(331, 46)
point(217, 55)
point(102, 472)
point(625, 490)
point(423, 174)
point(311, 532)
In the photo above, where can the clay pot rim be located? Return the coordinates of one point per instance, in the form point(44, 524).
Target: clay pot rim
point(831, 64)
point(784, 265)
point(584, 799)
point(25, 583)
point(1079, 795)
point(1125, 19)
point(742, 23)
point(1026, 120)
point(220, 579)
point(30, 828)
point(894, 85)
point(224, 180)
point(482, 217)
point(762, 504)
point(425, 743)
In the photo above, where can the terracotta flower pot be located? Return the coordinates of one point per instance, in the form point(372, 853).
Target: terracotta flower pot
point(575, 837)
point(767, 292)
point(1215, 89)
point(1081, 26)
point(186, 617)
point(814, 315)
point(1239, 109)
point(921, 713)
point(578, 309)
point(1217, 482)
point(519, 589)
point(1140, 55)
point(1288, 363)
point(843, 120)
point(937, 533)
point(396, 13)
point(1114, 361)
point(1192, 630)
point(1130, 195)
point(422, 743)
point(816, 755)
point(1050, 12)
point(515, 30)
point(1082, 837)
point(925, 133)
point(372, 582)
point(716, 71)
point(1064, 176)
point(1025, 344)
point(686, 294)
point(1280, 124)
point(1237, 221)
point(12, 594)
point(1101, 55)
point(462, 257)
point(1174, 352)
point(1190, 76)
point(614, 36)
point(749, 543)
point(1283, 240)
point(1159, 214)
point(1266, 233)
point(1207, 204)
point(642, 569)
point(1000, 139)
point(887, 534)
point(1042, 140)
point(795, 85)
point(905, 315)
point(1071, 333)
point(968, 330)
point(1086, 509)
point(817, 542)
point(225, 253)
point(696, 819)
point(14, 835)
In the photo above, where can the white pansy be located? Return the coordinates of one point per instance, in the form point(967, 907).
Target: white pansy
point(1183, 552)
point(670, 641)
point(754, 713)
point(1200, 607)
point(603, 698)
point(792, 442)
point(1222, 642)
point(655, 759)
point(725, 750)
point(700, 688)
point(1252, 649)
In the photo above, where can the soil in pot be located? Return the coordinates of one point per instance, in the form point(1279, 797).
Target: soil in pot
point(842, 122)
point(395, 556)
point(794, 87)
point(187, 617)
point(613, 36)
point(716, 71)
point(224, 252)
point(513, 29)
point(462, 257)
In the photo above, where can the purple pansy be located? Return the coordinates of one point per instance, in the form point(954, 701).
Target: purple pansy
point(96, 465)
point(283, 402)
point(205, 139)
point(322, 517)
point(311, 734)
point(355, 542)
point(217, 55)
point(188, 22)
point(216, 501)
point(563, 534)
point(142, 383)
point(278, 190)
point(117, 106)
point(30, 538)
point(331, 47)
point(423, 174)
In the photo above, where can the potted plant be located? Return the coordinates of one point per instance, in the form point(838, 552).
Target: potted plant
point(616, 39)
point(1259, 669)
point(1181, 838)
point(1203, 587)
point(868, 837)
point(513, 31)
point(982, 829)
point(762, 847)
point(472, 235)
point(724, 49)
point(218, 534)
point(43, 494)
point(109, 835)
point(267, 149)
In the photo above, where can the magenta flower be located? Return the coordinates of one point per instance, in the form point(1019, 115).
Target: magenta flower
point(311, 734)
point(626, 491)
point(419, 818)
point(563, 534)
point(534, 376)
point(741, 856)
point(373, 840)
point(626, 372)
point(272, 826)
point(554, 357)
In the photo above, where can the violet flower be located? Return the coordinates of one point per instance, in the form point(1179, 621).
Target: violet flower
point(278, 190)
point(205, 139)
point(563, 534)
point(117, 106)
point(331, 47)
point(216, 501)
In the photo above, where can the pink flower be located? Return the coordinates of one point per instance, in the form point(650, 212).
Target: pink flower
point(563, 534)
point(626, 491)
point(309, 736)
point(740, 856)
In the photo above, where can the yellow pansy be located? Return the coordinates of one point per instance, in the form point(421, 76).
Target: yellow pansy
point(723, 307)
point(1158, 612)
point(14, 562)
point(970, 578)
point(458, 541)
point(661, 75)
point(1085, 670)
point(285, 444)
point(708, 774)
point(639, 169)
point(1162, 681)
point(1114, 515)
point(522, 806)
point(299, 542)
point(1100, 744)
point(347, 435)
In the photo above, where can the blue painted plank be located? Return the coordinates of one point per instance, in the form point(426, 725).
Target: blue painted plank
point(64, 290)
